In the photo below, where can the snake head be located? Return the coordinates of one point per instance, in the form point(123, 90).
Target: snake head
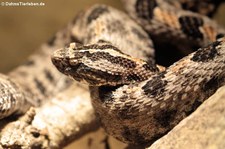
point(67, 60)
point(101, 64)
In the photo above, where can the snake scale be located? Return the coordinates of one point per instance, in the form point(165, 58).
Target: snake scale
point(137, 101)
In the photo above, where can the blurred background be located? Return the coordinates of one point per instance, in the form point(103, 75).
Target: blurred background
point(24, 28)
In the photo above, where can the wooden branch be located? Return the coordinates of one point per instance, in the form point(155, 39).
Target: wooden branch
point(58, 122)
point(70, 115)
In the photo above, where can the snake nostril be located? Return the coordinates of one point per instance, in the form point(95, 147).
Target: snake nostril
point(58, 63)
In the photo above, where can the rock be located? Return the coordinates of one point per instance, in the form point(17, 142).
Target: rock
point(203, 129)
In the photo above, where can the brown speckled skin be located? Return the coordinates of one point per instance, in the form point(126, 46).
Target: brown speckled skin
point(141, 112)
point(165, 22)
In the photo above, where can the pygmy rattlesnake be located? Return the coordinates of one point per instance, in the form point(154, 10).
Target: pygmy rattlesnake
point(136, 100)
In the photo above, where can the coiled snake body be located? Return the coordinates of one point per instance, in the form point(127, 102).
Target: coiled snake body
point(138, 101)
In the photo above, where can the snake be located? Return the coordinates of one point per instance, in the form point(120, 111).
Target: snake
point(137, 100)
